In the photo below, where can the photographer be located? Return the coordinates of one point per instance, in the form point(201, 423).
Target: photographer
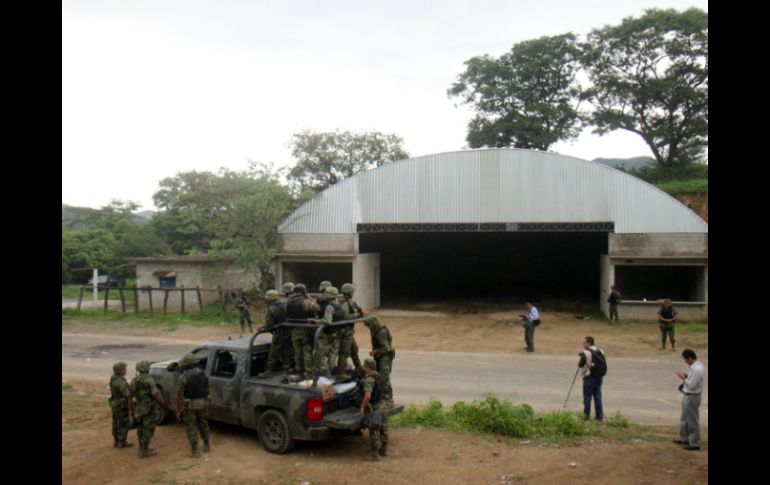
point(531, 320)
point(692, 387)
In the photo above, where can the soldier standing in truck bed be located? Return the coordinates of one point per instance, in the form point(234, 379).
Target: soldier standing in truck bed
point(302, 307)
point(279, 348)
point(348, 345)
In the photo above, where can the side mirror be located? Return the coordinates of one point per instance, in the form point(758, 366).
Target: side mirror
point(172, 366)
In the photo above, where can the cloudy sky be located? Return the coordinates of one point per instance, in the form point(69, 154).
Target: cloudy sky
point(154, 87)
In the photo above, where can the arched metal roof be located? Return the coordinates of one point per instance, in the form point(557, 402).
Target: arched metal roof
point(494, 186)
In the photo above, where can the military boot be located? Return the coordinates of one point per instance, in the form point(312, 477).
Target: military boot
point(267, 373)
point(206, 447)
point(115, 441)
point(194, 449)
point(124, 444)
point(145, 451)
point(373, 456)
point(384, 449)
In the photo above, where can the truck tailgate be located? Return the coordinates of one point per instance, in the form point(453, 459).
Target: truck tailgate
point(350, 418)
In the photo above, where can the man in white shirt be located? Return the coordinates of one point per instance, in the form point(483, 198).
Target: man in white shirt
point(531, 320)
point(692, 387)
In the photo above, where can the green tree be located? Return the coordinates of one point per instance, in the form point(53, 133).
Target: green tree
point(526, 98)
point(323, 159)
point(650, 77)
point(89, 248)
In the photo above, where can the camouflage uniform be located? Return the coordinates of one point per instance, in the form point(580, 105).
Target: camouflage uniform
point(328, 341)
point(667, 328)
point(119, 396)
point(193, 388)
point(146, 413)
point(300, 307)
point(378, 438)
point(281, 344)
point(348, 345)
point(382, 351)
point(245, 315)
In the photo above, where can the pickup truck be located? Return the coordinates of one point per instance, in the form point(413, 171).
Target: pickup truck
point(280, 411)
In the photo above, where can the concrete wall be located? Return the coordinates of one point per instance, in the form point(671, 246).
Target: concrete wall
point(207, 276)
point(640, 310)
point(606, 280)
point(366, 277)
point(658, 245)
point(317, 243)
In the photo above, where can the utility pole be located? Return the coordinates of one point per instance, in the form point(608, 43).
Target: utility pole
point(96, 285)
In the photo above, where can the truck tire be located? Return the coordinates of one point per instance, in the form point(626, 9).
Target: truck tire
point(164, 417)
point(274, 432)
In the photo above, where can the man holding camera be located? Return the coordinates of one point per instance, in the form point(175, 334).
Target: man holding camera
point(692, 388)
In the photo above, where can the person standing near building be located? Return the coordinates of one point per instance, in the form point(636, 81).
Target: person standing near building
point(192, 397)
point(692, 388)
point(667, 316)
point(144, 392)
point(121, 406)
point(242, 305)
point(531, 320)
point(594, 365)
point(613, 300)
point(374, 406)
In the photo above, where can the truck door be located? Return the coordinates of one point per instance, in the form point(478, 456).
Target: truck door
point(225, 386)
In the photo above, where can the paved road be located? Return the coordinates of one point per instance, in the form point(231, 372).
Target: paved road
point(642, 389)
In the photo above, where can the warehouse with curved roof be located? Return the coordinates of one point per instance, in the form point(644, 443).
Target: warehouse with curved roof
point(499, 221)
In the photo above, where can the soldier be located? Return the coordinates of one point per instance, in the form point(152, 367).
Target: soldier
point(667, 316)
point(375, 403)
point(382, 351)
point(613, 300)
point(144, 392)
point(192, 397)
point(288, 289)
point(348, 345)
point(121, 405)
point(302, 307)
point(243, 306)
point(279, 349)
point(328, 340)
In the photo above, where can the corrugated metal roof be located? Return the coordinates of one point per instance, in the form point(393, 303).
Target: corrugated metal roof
point(494, 185)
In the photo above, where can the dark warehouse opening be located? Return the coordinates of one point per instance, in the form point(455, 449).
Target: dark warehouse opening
point(464, 265)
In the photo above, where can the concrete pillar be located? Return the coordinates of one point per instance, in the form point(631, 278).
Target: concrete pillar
point(366, 278)
point(607, 279)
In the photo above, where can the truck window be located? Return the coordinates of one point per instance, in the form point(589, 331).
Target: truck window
point(258, 362)
point(225, 362)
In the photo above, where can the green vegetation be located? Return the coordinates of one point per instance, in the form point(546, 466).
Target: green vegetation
point(495, 416)
point(211, 316)
point(684, 187)
point(66, 387)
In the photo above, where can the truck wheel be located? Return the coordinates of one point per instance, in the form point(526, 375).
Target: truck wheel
point(164, 417)
point(274, 432)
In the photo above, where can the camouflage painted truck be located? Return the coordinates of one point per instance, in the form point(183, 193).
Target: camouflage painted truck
point(281, 412)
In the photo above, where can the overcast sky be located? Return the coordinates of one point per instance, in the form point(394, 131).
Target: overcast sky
point(155, 87)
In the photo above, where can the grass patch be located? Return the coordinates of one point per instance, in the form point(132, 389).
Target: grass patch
point(211, 316)
point(684, 187)
point(66, 387)
point(500, 417)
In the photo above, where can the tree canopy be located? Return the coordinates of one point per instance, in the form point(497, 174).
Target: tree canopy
point(526, 98)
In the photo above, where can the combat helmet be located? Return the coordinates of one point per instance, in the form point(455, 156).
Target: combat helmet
point(288, 287)
point(143, 366)
point(188, 361)
point(331, 292)
point(300, 288)
point(119, 366)
point(324, 284)
point(347, 288)
point(272, 295)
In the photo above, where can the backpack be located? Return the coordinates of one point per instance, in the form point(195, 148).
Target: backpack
point(598, 363)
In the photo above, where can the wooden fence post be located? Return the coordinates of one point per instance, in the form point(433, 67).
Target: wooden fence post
point(80, 300)
point(183, 309)
point(122, 299)
point(200, 302)
point(106, 293)
point(150, 290)
point(136, 299)
point(165, 302)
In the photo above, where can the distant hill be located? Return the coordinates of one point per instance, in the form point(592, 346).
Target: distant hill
point(627, 163)
point(71, 216)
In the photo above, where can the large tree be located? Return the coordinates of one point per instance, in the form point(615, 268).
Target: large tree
point(323, 159)
point(650, 77)
point(526, 98)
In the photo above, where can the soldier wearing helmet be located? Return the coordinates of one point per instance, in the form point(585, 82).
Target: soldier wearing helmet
point(121, 406)
point(382, 351)
point(242, 304)
point(348, 345)
point(144, 392)
point(300, 308)
point(280, 347)
point(375, 402)
point(328, 341)
point(288, 289)
point(192, 397)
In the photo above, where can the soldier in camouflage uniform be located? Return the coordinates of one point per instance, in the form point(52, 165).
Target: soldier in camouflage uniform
point(348, 345)
point(245, 316)
point(288, 290)
point(302, 307)
point(192, 397)
point(144, 392)
point(328, 341)
point(374, 400)
point(279, 349)
point(382, 351)
point(121, 405)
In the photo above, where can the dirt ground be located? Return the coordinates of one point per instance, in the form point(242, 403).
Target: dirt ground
point(471, 329)
point(417, 455)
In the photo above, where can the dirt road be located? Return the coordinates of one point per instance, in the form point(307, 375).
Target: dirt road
point(642, 389)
